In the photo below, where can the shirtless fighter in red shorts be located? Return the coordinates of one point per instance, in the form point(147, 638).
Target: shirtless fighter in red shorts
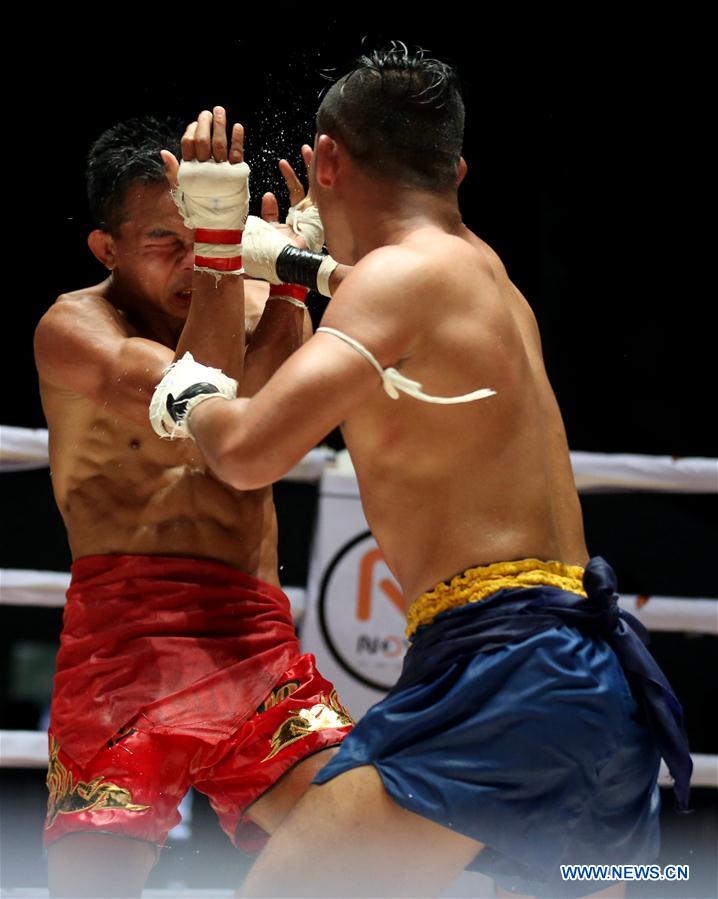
point(179, 665)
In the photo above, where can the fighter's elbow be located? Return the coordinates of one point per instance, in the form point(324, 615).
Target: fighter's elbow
point(244, 479)
point(238, 466)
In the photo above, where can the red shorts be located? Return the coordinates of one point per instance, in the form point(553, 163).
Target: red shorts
point(134, 784)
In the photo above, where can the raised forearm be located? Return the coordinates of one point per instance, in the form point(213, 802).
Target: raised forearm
point(214, 330)
point(212, 195)
point(280, 333)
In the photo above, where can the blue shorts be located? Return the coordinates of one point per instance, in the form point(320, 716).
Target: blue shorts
point(533, 748)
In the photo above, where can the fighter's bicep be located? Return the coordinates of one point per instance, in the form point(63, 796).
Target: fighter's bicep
point(322, 381)
point(314, 391)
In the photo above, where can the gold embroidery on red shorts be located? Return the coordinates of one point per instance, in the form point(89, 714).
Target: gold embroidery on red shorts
point(279, 694)
point(329, 712)
point(336, 704)
point(67, 797)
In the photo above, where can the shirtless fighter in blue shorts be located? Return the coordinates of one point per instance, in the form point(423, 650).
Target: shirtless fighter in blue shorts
point(528, 722)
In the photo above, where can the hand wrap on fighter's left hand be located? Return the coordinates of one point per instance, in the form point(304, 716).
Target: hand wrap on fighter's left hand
point(213, 200)
point(304, 220)
point(184, 385)
point(269, 256)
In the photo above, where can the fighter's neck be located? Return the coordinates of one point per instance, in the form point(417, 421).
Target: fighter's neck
point(391, 218)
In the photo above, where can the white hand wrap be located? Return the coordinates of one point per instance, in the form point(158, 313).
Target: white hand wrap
point(212, 194)
point(304, 220)
point(324, 274)
point(213, 200)
point(184, 385)
point(261, 245)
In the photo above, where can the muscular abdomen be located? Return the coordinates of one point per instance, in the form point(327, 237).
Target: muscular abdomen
point(122, 490)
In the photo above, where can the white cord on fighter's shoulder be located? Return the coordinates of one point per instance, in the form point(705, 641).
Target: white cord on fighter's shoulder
point(393, 381)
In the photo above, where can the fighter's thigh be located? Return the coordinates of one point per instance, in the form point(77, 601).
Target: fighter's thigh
point(349, 838)
point(98, 864)
point(272, 807)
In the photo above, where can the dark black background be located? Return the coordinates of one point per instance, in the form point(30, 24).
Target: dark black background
point(587, 174)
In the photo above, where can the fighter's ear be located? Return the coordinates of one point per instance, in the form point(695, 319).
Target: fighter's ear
point(461, 170)
point(102, 246)
point(326, 160)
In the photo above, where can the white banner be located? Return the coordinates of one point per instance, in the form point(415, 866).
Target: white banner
point(353, 623)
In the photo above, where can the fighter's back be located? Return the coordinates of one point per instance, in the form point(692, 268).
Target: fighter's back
point(454, 486)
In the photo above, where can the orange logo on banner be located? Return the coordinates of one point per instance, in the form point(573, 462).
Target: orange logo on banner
point(368, 642)
point(365, 593)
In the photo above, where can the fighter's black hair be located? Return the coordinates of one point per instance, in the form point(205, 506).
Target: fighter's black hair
point(399, 114)
point(127, 152)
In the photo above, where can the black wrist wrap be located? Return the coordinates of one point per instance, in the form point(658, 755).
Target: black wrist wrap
point(177, 406)
point(295, 266)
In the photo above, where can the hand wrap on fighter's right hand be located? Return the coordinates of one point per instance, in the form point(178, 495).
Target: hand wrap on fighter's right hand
point(213, 200)
point(184, 385)
point(269, 256)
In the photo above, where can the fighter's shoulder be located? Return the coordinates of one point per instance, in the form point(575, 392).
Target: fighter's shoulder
point(74, 327)
point(396, 261)
point(82, 310)
point(390, 272)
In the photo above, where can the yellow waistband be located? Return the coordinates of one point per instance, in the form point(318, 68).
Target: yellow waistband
point(476, 584)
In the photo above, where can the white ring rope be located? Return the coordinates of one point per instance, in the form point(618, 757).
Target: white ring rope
point(22, 449)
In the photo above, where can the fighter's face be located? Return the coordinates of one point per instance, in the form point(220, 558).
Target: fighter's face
point(153, 251)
